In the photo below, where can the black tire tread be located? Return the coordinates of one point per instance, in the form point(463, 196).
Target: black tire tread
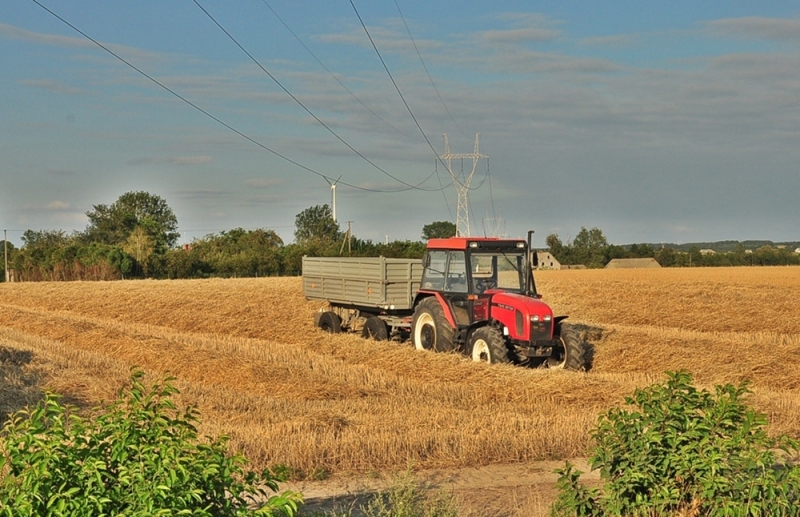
point(574, 347)
point(445, 334)
point(498, 351)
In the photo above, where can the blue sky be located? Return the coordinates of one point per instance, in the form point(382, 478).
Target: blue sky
point(656, 122)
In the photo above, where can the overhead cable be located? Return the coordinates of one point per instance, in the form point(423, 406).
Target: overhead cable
point(408, 108)
point(426, 68)
point(348, 90)
point(307, 110)
point(206, 113)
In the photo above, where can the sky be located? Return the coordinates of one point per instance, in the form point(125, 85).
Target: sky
point(654, 121)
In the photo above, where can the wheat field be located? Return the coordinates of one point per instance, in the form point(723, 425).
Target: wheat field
point(245, 351)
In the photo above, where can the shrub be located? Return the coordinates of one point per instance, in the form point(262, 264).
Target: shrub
point(404, 498)
point(683, 450)
point(138, 457)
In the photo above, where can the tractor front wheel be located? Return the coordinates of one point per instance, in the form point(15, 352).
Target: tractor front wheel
point(430, 329)
point(487, 345)
point(571, 354)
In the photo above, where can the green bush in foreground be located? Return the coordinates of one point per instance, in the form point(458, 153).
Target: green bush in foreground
point(138, 457)
point(684, 451)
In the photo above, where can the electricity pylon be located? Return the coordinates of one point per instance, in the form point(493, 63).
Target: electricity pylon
point(462, 184)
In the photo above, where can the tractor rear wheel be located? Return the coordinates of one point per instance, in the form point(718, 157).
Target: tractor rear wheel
point(330, 322)
point(571, 354)
point(375, 328)
point(487, 345)
point(430, 330)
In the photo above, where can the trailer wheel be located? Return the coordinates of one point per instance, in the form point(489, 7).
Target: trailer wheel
point(430, 329)
point(488, 345)
point(571, 354)
point(375, 328)
point(330, 322)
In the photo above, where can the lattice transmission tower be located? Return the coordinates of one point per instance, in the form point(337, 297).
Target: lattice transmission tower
point(462, 181)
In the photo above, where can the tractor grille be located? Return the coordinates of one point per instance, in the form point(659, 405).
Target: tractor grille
point(541, 330)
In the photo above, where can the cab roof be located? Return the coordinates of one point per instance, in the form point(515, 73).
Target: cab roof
point(463, 243)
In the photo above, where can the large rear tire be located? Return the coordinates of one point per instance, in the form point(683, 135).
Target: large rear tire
point(330, 322)
point(375, 328)
point(430, 330)
point(571, 354)
point(487, 345)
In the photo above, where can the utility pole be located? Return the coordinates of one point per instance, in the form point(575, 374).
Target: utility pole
point(462, 185)
point(347, 238)
point(333, 195)
point(5, 252)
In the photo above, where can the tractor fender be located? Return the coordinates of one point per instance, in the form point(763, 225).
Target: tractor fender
point(448, 311)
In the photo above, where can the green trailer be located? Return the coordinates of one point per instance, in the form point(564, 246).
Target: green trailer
point(371, 294)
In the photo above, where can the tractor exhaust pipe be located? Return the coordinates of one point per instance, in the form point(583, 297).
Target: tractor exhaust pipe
point(533, 260)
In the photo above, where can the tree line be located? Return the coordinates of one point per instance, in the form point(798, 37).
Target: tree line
point(590, 248)
point(137, 237)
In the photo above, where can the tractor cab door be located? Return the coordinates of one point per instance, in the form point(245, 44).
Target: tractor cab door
point(446, 272)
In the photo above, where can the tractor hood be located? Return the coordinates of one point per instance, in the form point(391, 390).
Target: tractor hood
point(527, 305)
point(525, 317)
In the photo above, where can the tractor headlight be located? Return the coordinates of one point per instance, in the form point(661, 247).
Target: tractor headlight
point(548, 318)
point(535, 318)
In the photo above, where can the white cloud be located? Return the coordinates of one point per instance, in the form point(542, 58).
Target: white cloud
point(757, 27)
point(173, 160)
point(263, 182)
point(52, 86)
point(524, 35)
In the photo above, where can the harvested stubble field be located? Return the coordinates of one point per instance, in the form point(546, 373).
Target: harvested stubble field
point(246, 353)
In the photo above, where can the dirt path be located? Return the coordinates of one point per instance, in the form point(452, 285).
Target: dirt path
point(515, 490)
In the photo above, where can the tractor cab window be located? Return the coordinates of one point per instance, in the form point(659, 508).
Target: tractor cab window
point(445, 271)
point(456, 273)
point(497, 270)
point(435, 268)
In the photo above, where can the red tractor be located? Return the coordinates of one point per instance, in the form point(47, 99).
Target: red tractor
point(478, 296)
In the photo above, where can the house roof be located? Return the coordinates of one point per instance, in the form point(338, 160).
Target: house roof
point(633, 263)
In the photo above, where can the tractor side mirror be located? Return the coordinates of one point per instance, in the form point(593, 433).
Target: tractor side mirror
point(534, 259)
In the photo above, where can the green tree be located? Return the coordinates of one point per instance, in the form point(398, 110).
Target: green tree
point(666, 257)
point(114, 223)
point(556, 248)
point(589, 247)
point(316, 224)
point(140, 246)
point(139, 457)
point(438, 230)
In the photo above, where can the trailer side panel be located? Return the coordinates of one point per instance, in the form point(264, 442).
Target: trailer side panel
point(371, 282)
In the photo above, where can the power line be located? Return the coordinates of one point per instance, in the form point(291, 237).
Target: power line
point(426, 68)
point(209, 115)
point(385, 67)
point(331, 73)
point(307, 110)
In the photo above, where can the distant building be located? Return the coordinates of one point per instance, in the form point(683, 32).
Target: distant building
point(797, 250)
point(708, 252)
point(633, 263)
point(547, 261)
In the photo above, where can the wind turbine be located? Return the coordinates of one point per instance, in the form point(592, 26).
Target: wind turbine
point(333, 194)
